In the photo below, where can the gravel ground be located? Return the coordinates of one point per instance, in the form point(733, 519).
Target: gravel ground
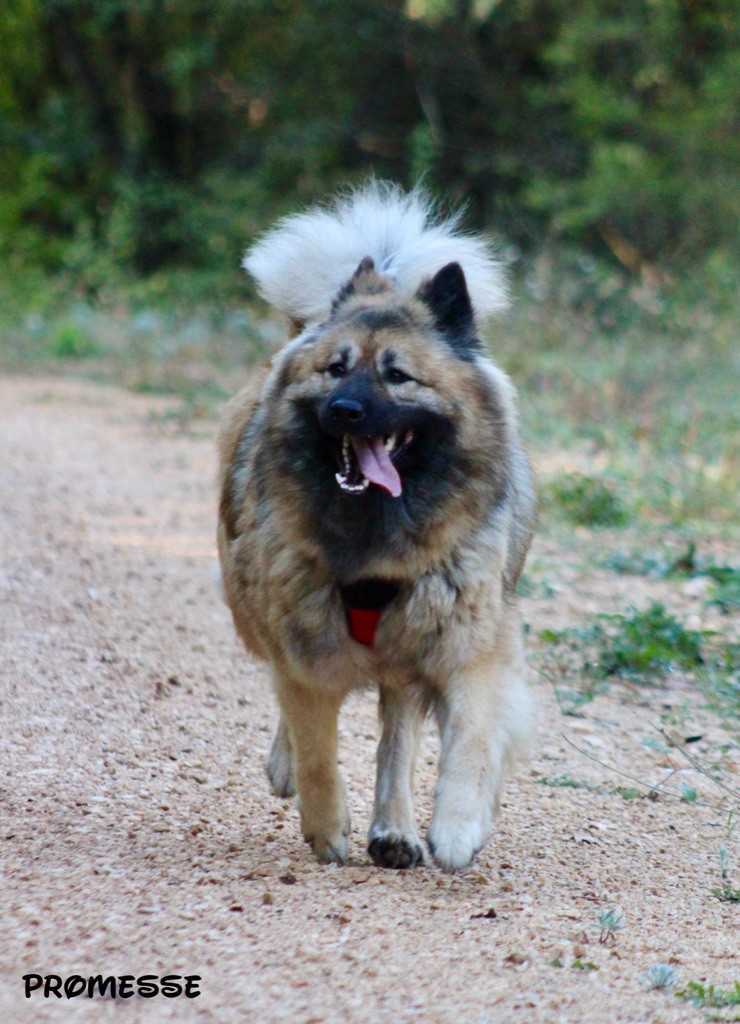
point(138, 834)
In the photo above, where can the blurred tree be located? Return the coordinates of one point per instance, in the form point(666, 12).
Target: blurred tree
point(147, 133)
point(649, 96)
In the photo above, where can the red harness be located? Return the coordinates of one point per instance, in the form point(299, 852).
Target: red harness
point(363, 624)
point(365, 600)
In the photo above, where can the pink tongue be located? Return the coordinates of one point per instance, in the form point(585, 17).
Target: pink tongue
point(376, 464)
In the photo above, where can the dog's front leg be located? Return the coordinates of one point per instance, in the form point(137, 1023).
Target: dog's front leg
point(485, 718)
point(393, 841)
point(310, 716)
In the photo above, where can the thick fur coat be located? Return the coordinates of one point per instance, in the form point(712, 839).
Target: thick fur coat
point(377, 463)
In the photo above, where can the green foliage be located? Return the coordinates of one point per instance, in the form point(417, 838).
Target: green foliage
point(577, 965)
point(660, 977)
point(650, 391)
point(725, 589)
point(610, 922)
point(589, 501)
point(722, 684)
point(724, 586)
point(727, 894)
point(628, 792)
point(662, 566)
point(145, 135)
point(640, 646)
point(161, 134)
point(648, 643)
point(636, 563)
point(72, 342)
point(647, 99)
point(565, 782)
point(708, 996)
point(584, 965)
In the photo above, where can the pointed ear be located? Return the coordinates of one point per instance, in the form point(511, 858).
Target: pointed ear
point(365, 281)
point(447, 297)
point(366, 265)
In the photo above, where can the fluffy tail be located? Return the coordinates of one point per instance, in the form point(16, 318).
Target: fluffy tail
point(301, 264)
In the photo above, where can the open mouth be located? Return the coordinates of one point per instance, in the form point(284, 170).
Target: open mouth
point(370, 460)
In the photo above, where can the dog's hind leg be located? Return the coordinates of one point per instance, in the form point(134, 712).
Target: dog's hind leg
point(310, 717)
point(393, 841)
point(280, 763)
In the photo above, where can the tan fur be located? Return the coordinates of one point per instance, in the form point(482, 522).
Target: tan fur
point(452, 638)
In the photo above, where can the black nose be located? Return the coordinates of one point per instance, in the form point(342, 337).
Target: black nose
point(346, 412)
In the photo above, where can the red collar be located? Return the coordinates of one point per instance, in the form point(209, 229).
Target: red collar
point(363, 624)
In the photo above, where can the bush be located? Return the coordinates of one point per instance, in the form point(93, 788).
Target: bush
point(648, 643)
point(589, 501)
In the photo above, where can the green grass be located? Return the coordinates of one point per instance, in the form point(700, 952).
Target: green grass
point(719, 682)
point(628, 401)
point(610, 922)
point(649, 643)
point(727, 893)
point(688, 793)
point(657, 564)
point(724, 580)
point(564, 782)
point(660, 977)
point(578, 964)
point(628, 792)
point(584, 965)
point(705, 997)
point(641, 648)
point(72, 342)
point(647, 394)
point(639, 390)
point(640, 645)
point(724, 590)
point(588, 501)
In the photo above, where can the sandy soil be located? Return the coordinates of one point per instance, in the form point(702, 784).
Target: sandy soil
point(138, 835)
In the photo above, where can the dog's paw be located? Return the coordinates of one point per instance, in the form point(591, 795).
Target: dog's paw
point(456, 844)
point(280, 765)
point(280, 773)
point(394, 850)
point(330, 850)
point(327, 833)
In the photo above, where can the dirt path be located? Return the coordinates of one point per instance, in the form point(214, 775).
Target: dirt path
point(138, 836)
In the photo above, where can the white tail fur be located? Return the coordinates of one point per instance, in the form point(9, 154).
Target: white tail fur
point(301, 264)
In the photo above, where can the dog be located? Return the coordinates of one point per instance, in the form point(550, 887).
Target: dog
point(376, 507)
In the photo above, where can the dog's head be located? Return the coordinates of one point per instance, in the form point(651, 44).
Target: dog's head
point(386, 421)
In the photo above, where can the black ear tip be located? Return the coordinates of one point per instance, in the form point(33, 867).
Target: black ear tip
point(451, 276)
point(365, 280)
point(449, 282)
point(447, 296)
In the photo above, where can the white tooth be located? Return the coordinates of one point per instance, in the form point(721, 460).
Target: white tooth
point(346, 455)
point(349, 488)
point(390, 443)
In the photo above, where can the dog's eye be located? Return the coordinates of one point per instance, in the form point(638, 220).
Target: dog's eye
point(396, 376)
point(336, 370)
